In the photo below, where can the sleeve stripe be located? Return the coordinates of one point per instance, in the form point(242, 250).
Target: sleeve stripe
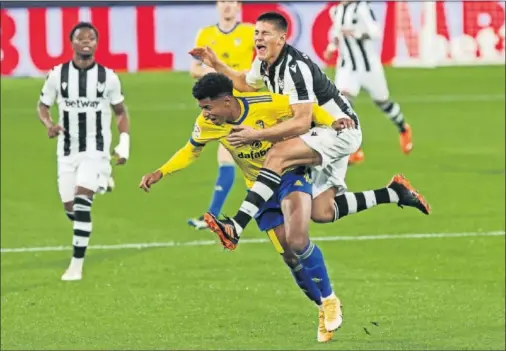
point(196, 144)
point(298, 80)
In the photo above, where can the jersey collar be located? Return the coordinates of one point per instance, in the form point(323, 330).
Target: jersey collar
point(244, 108)
point(227, 32)
point(83, 69)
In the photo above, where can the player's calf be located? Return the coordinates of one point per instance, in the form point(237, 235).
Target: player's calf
point(399, 191)
point(82, 230)
point(393, 110)
point(69, 210)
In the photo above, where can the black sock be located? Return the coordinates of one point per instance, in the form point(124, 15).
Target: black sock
point(70, 215)
point(82, 225)
point(350, 203)
point(261, 191)
point(393, 111)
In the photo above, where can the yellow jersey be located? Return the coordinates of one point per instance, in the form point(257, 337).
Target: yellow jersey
point(235, 48)
point(258, 110)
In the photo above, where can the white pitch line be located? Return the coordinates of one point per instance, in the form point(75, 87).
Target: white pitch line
point(255, 241)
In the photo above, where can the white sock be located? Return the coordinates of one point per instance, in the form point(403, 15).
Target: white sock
point(393, 195)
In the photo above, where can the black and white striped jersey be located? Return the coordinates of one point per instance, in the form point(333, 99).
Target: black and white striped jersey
point(355, 53)
point(84, 97)
point(296, 75)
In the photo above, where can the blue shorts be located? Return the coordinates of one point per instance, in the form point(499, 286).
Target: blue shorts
point(270, 215)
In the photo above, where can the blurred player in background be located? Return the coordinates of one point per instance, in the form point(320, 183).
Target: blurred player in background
point(84, 91)
point(286, 217)
point(360, 66)
point(233, 43)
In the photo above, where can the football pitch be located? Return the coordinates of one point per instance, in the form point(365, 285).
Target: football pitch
point(175, 288)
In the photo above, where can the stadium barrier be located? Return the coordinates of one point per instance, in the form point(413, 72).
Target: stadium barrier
point(157, 36)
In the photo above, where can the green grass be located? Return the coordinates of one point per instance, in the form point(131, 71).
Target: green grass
point(441, 293)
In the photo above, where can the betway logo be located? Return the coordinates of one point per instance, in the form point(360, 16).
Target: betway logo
point(253, 154)
point(81, 103)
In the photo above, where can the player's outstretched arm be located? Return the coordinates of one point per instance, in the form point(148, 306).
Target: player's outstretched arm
point(180, 160)
point(209, 58)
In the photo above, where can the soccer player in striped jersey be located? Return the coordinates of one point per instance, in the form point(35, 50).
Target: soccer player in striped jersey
point(284, 69)
point(360, 66)
point(84, 91)
point(286, 216)
point(234, 44)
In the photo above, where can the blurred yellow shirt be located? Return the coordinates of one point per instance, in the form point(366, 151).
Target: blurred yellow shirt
point(235, 48)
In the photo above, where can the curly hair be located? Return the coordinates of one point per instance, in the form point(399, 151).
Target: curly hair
point(212, 86)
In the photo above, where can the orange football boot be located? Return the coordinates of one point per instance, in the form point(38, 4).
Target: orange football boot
point(356, 157)
point(406, 139)
point(408, 195)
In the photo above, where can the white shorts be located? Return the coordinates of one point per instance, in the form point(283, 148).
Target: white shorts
point(90, 171)
point(374, 82)
point(334, 149)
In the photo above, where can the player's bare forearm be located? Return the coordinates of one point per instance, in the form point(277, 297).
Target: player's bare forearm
point(237, 77)
point(121, 118)
point(44, 115)
point(299, 124)
point(198, 70)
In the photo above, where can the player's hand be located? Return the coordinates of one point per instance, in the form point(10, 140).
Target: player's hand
point(150, 179)
point(242, 135)
point(343, 123)
point(119, 160)
point(206, 55)
point(54, 130)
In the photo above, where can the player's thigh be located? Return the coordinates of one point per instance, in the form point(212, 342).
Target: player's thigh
point(348, 81)
point(289, 153)
point(332, 146)
point(93, 173)
point(296, 207)
point(375, 84)
point(67, 174)
point(224, 156)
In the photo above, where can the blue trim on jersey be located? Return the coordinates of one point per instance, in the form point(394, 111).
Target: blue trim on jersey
point(196, 144)
point(230, 31)
point(244, 113)
point(270, 215)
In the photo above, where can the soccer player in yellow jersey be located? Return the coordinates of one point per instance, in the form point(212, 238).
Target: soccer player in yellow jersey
point(288, 212)
point(233, 42)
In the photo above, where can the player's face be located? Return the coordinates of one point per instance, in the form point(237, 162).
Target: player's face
point(228, 10)
point(84, 42)
point(216, 111)
point(268, 41)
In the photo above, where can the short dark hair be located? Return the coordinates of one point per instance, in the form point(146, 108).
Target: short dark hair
point(212, 86)
point(82, 25)
point(277, 19)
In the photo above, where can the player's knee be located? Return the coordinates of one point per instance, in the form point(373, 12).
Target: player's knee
point(290, 258)
point(85, 192)
point(323, 210)
point(224, 156)
point(322, 215)
point(297, 240)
